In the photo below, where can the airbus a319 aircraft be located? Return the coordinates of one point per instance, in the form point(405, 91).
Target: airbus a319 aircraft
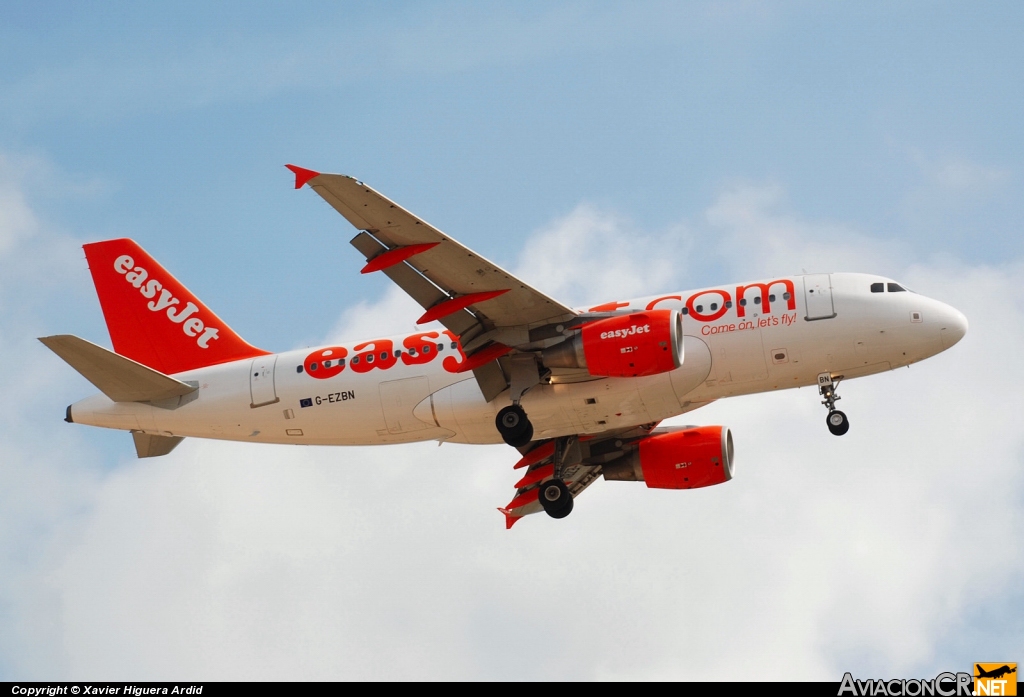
point(578, 391)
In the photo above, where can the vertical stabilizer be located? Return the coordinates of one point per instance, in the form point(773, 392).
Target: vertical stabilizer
point(152, 318)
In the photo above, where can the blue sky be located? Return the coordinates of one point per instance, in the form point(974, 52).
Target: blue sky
point(492, 119)
point(666, 145)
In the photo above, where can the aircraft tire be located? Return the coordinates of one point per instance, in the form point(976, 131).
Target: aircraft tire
point(563, 511)
point(523, 438)
point(514, 426)
point(555, 499)
point(837, 423)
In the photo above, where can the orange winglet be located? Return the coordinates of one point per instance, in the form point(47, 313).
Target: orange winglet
point(302, 175)
point(536, 455)
point(386, 260)
point(510, 519)
point(537, 475)
point(443, 309)
point(482, 357)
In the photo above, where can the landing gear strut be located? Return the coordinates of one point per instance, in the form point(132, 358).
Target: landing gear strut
point(836, 420)
point(513, 425)
point(555, 498)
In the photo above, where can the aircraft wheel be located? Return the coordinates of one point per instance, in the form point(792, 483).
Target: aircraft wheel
point(563, 511)
point(514, 426)
point(837, 422)
point(555, 499)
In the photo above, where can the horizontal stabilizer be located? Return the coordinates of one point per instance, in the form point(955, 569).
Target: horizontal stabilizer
point(120, 378)
point(147, 445)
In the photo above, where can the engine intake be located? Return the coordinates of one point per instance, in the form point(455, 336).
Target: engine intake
point(687, 458)
point(627, 346)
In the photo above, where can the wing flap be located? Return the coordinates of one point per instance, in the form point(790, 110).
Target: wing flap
point(119, 378)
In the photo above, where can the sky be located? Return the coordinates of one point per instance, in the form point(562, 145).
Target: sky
point(598, 151)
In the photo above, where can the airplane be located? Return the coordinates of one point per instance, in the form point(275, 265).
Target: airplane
point(996, 673)
point(580, 392)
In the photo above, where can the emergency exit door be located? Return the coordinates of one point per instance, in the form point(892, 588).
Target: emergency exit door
point(261, 381)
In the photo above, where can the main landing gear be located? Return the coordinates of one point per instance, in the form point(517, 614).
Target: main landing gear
point(555, 498)
point(514, 426)
point(836, 420)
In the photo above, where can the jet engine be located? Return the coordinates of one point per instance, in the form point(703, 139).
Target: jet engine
point(625, 346)
point(686, 458)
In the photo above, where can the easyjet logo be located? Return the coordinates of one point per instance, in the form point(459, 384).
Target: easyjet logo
point(623, 333)
point(382, 354)
point(163, 300)
point(711, 305)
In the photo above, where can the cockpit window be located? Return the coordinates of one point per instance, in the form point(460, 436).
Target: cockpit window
point(896, 288)
point(877, 287)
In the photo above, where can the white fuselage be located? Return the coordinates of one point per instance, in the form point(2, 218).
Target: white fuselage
point(730, 349)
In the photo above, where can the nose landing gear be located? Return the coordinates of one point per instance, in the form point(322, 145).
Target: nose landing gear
point(836, 420)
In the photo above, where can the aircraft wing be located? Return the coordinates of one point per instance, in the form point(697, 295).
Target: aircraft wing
point(577, 460)
point(464, 291)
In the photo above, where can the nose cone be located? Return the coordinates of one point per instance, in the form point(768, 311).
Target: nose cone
point(953, 326)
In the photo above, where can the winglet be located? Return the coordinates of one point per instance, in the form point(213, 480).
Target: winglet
point(510, 519)
point(302, 175)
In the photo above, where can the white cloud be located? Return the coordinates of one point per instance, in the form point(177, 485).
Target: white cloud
point(823, 555)
point(589, 257)
point(394, 313)
point(755, 237)
point(950, 196)
point(48, 474)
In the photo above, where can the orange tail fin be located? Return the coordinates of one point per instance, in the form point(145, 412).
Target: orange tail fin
point(152, 318)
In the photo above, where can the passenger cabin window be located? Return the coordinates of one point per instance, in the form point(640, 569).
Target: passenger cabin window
point(454, 346)
point(896, 288)
point(440, 347)
point(877, 287)
point(298, 369)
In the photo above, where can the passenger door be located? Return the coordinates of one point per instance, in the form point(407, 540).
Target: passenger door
point(261, 381)
point(818, 297)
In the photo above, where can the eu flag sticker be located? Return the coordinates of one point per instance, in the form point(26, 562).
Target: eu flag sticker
point(306, 402)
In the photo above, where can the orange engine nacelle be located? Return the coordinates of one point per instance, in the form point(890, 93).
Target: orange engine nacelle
point(688, 458)
point(627, 346)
